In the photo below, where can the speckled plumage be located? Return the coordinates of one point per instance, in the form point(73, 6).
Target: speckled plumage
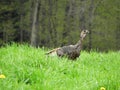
point(70, 51)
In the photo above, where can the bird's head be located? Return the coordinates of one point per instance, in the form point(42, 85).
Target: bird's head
point(83, 34)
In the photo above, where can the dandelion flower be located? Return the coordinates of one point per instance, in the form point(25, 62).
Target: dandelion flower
point(2, 76)
point(102, 88)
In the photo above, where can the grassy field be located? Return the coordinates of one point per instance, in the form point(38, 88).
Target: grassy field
point(27, 68)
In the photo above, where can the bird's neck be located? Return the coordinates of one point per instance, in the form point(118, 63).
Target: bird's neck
point(79, 44)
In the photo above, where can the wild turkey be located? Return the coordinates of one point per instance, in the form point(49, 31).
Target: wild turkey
point(70, 51)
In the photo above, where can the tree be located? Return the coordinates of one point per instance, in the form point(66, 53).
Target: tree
point(90, 21)
point(52, 23)
point(82, 15)
point(34, 25)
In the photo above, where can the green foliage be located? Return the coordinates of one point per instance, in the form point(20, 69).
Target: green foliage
point(28, 68)
point(59, 22)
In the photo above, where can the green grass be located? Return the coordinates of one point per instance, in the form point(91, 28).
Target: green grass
point(27, 68)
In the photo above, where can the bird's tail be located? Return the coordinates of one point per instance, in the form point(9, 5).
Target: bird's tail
point(52, 51)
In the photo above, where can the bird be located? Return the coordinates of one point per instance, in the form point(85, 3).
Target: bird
point(71, 51)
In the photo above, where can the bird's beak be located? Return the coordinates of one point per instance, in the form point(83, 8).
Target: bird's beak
point(87, 31)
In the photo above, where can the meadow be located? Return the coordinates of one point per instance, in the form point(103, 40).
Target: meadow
point(28, 68)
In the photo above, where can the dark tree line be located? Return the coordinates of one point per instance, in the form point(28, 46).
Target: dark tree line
point(54, 23)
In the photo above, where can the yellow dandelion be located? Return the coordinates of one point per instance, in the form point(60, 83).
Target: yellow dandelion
point(102, 88)
point(2, 76)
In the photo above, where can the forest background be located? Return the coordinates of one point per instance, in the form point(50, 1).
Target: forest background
point(54, 23)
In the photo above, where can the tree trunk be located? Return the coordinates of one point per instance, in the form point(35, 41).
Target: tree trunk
point(118, 34)
point(21, 30)
point(69, 25)
point(34, 23)
point(90, 21)
point(82, 16)
point(91, 13)
point(4, 35)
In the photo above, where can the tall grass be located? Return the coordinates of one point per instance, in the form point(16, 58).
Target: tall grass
point(27, 68)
